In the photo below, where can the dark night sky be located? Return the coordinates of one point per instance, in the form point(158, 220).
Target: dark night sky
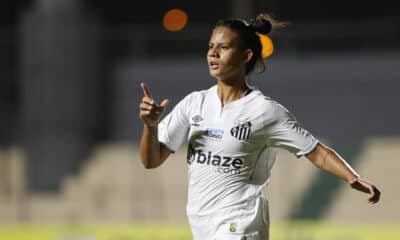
point(120, 11)
point(211, 10)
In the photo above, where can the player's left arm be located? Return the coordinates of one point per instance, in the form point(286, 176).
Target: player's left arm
point(328, 160)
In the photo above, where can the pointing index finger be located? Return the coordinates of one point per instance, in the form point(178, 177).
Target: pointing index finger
point(146, 91)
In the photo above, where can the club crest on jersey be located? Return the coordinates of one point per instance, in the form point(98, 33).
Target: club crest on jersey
point(242, 130)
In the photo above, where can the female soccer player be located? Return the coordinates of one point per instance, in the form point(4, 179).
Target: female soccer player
point(233, 131)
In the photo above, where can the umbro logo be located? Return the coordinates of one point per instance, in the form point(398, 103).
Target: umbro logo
point(196, 119)
point(241, 131)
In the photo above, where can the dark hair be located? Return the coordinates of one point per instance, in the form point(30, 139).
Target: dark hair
point(263, 24)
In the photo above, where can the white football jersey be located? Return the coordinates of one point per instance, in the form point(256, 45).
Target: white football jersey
point(231, 149)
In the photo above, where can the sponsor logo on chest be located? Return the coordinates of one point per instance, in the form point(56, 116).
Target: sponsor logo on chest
point(241, 129)
point(223, 164)
point(214, 133)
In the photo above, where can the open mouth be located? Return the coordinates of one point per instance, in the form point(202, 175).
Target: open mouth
point(213, 65)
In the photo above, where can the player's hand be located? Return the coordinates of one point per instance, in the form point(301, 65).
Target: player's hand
point(367, 187)
point(150, 111)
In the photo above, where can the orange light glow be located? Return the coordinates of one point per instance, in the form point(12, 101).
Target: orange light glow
point(267, 45)
point(175, 20)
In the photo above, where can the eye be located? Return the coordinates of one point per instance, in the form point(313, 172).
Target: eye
point(224, 47)
point(210, 46)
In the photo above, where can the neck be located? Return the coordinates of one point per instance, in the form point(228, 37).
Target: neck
point(228, 92)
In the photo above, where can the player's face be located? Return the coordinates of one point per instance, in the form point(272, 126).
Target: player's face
point(226, 60)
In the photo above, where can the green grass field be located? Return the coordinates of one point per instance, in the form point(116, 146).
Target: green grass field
point(289, 231)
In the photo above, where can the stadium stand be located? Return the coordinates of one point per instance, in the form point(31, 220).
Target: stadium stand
point(113, 187)
point(379, 162)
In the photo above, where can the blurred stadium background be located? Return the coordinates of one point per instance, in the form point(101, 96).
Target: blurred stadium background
point(69, 127)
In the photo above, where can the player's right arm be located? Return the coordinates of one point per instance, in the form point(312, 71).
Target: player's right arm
point(152, 153)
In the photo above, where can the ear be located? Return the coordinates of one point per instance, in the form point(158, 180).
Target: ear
point(248, 54)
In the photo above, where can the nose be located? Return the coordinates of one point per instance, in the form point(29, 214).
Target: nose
point(212, 52)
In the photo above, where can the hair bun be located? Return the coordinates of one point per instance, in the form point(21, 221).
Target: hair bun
point(261, 25)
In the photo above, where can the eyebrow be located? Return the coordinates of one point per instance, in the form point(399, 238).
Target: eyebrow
point(220, 43)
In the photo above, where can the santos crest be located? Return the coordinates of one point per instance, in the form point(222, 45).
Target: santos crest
point(242, 131)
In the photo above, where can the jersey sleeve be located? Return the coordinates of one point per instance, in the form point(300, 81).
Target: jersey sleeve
point(174, 127)
point(283, 131)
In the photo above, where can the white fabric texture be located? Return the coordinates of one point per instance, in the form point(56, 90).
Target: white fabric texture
point(231, 148)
